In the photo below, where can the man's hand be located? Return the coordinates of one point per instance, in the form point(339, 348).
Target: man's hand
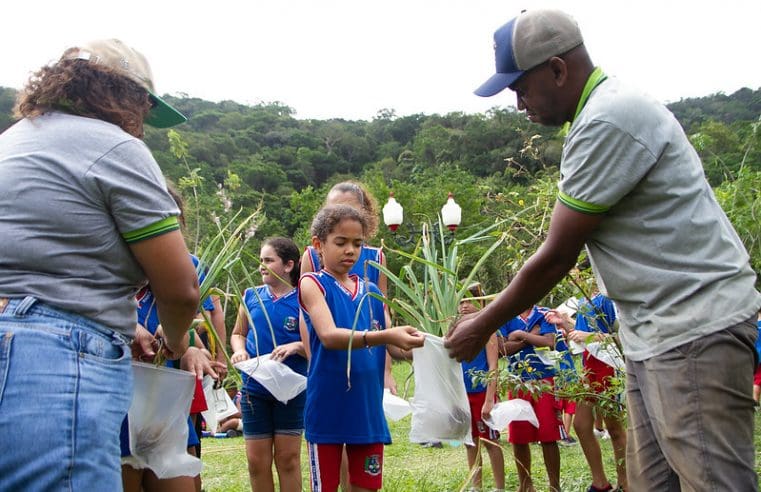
point(464, 340)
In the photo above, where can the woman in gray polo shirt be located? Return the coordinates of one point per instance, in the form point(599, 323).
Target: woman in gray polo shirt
point(86, 220)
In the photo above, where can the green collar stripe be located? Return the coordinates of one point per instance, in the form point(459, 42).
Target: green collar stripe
point(596, 78)
point(580, 206)
point(156, 229)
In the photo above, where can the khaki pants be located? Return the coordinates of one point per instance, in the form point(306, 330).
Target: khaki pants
point(691, 415)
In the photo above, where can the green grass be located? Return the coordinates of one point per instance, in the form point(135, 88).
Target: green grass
point(410, 467)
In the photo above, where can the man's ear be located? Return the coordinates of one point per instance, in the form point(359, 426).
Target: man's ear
point(559, 70)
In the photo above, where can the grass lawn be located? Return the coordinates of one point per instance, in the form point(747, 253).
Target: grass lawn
point(410, 467)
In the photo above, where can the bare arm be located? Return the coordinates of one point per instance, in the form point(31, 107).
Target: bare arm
point(166, 262)
point(238, 336)
point(337, 338)
point(306, 267)
point(568, 232)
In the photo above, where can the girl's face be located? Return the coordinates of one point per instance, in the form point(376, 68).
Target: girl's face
point(466, 307)
point(272, 267)
point(341, 248)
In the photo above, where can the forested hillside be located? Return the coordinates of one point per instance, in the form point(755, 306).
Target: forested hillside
point(498, 164)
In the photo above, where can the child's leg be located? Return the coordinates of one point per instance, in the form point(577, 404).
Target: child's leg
point(617, 430)
point(551, 454)
point(497, 460)
point(584, 426)
point(324, 466)
point(365, 466)
point(522, 455)
point(474, 461)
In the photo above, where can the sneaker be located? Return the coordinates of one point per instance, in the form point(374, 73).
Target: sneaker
point(592, 488)
point(568, 441)
point(602, 434)
point(233, 433)
point(435, 444)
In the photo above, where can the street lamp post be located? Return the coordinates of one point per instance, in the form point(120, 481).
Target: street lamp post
point(393, 216)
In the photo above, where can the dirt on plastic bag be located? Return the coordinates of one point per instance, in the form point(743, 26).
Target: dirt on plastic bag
point(158, 421)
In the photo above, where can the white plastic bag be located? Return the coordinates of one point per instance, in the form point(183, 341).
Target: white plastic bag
point(607, 353)
point(394, 407)
point(505, 412)
point(440, 408)
point(219, 406)
point(158, 421)
point(280, 380)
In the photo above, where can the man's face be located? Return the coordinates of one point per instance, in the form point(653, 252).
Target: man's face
point(538, 95)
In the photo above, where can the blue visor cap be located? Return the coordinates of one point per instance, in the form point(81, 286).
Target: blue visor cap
point(507, 69)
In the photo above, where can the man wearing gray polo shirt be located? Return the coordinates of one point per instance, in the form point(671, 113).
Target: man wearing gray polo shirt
point(632, 191)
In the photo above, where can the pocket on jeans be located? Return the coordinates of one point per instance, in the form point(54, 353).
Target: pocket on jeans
point(5, 358)
point(97, 346)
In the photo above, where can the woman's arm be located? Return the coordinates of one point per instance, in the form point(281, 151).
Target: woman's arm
point(166, 262)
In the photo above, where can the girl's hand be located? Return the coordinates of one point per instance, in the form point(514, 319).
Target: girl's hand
point(561, 320)
point(406, 337)
point(239, 356)
point(199, 361)
point(578, 336)
point(284, 351)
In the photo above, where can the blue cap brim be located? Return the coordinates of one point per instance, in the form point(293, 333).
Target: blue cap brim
point(497, 83)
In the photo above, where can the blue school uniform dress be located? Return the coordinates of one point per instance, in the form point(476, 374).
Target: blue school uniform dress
point(480, 363)
point(366, 254)
point(340, 410)
point(283, 314)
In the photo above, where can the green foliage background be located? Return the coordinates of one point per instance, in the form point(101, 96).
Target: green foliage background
point(231, 156)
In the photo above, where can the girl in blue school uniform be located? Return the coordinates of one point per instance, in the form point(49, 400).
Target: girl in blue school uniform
point(272, 429)
point(345, 412)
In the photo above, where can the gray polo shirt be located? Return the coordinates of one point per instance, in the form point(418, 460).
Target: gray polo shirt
point(665, 251)
point(73, 192)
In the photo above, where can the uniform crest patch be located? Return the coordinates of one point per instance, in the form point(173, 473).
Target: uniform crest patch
point(373, 465)
point(290, 323)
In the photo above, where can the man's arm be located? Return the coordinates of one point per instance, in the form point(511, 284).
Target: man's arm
point(568, 232)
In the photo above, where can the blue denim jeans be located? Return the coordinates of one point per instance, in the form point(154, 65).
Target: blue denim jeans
point(65, 386)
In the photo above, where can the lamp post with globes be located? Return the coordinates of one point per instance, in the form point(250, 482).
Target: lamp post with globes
point(393, 216)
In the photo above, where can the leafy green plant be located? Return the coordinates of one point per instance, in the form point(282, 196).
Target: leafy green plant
point(430, 285)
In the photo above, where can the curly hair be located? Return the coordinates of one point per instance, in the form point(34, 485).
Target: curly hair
point(78, 87)
point(330, 216)
point(364, 199)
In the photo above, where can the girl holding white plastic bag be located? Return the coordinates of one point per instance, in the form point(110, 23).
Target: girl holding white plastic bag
point(270, 427)
point(345, 411)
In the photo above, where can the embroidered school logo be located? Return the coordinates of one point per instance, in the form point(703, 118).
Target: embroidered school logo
point(291, 323)
point(375, 325)
point(373, 465)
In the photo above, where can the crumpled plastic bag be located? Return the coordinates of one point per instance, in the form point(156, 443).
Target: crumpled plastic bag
point(607, 353)
point(158, 421)
point(440, 408)
point(218, 403)
point(394, 407)
point(283, 382)
point(505, 412)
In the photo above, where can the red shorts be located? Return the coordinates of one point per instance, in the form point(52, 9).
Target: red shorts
point(198, 404)
point(365, 466)
point(757, 376)
point(547, 410)
point(478, 427)
point(598, 373)
point(567, 406)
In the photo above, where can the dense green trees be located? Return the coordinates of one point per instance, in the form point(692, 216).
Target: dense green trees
point(231, 156)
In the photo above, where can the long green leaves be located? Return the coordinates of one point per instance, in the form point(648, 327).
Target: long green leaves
point(430, 286)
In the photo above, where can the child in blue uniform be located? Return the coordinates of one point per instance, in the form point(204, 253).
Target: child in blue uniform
point(482, 398)
point(596, 320)
point(345, 411)
point(520, 337)
point(272, 428)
